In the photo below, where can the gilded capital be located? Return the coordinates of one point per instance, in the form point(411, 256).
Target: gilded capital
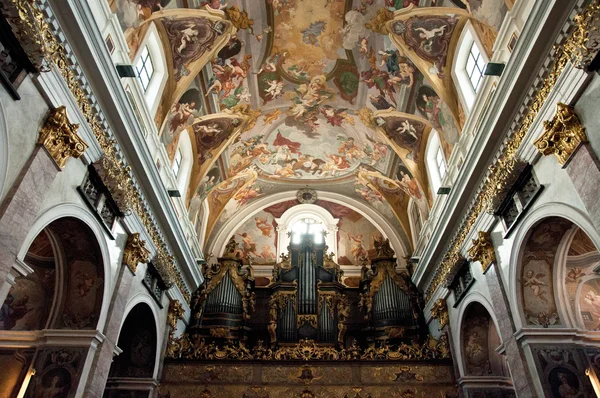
point(562, 135)
point(59, 137)
point(439, 311)
point(135, 252)
point(483, 250)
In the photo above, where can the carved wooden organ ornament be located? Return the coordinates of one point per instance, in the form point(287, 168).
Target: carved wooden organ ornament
point(305, 301)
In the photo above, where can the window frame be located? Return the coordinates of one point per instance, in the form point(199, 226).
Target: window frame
point(141, 66)
point(177, 162)
point(476, 66)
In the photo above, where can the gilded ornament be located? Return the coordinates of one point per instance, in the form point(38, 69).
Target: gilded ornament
point(507, 160)
point(59, 137)
point(382, 248)
point(54, 51)
point(239, 18)
point(221, 333)
point(562, 135)
point(28, 25)
point(439, 311)
point(135, 252)
point(483, 250)
point(163, 262)
point(116, 176)
point(176, 312)
point(585, 39)
point(231, 249)
point(307, 319)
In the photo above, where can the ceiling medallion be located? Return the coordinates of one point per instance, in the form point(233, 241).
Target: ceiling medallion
point(306, 195)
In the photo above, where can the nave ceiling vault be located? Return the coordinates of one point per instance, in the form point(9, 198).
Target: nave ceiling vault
point(340, 96)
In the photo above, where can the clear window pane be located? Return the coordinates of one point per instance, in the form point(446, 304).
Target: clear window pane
point(144, 68)
point(475, 66)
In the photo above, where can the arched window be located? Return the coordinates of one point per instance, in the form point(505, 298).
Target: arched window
point(182, 162)
point(469, 65)
point(435, 162)
point(307, 226)
point(151, 68)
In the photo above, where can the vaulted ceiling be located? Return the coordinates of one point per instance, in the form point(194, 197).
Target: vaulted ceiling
point(333, 95)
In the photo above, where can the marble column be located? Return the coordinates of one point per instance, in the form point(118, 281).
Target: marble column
point(515, 358)
point(584, 169)
point(21, 206)
point(108, 349)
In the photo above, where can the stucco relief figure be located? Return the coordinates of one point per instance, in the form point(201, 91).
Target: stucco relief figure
point(532, 280)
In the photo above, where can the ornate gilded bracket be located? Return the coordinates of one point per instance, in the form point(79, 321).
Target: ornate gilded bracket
point(59, 137)
point(117, 180)
point(135, 252)
point(562, 135)
point(483, 250)
point(452, 263)
point(163, 262)
point(439, 311)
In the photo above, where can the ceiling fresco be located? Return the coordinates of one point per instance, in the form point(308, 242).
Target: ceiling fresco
point(335, 95)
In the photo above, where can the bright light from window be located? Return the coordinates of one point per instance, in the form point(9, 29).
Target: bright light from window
point(177, 162)
point(144, 68)
point(307, 226)
point(440, 162)
point(475, 66)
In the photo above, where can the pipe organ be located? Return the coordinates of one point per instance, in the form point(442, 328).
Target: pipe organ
point(306, 300)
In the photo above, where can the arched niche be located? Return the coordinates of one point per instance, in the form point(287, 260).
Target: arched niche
point(479, 342)
point(62, 288)
point(65, 284)
point(138, 342)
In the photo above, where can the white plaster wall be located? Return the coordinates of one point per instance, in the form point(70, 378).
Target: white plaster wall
point(587, 108)
point(24, 119)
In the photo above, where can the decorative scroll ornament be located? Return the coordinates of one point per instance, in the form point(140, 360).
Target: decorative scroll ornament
point(308, 350)
point(378, 23)
point(501, 183)
point(230, 248)
point(330, 265)
point(382, 248)
point(135, 252)
point(454, 264)
point(562, 135)
point(506, 160)
point(59, 137)
point(439, 311)
point(483, 250)
point(251, 115)
point(309, 319)
point(116, 180)
point(176, 312)
point(29, 27)
point(585, 43)
point(284, 265)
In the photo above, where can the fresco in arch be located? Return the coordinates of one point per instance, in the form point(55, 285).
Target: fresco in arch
point(537, 286)
point(412, 188)
point(257, 238)
point(27, 306)
point(589, 304)
point(439, 115)
point(131, 13)
point(330, 151)
point(490, 12)
point(210, 180)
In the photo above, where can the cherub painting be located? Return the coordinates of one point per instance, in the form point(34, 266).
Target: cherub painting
point(532, 280)
point(263, 224)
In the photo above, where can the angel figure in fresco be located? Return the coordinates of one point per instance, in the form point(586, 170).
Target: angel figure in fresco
point(336, 163)
point(267, 253)
point(12, 310)
point(264, 226)
point(87, 282)
point(214, 4)
point(204, 188)
point(336, 117)
point(181, 114)
point(356, 246)
point(349, 148)
point(411, 186)
point(429, 35)
point(377, 152)
point(274, 89)
point(594, 300)
point(246, 195)
point(574, 274)
point(532, 280)
point(248, 245)
point(474, 346)
point(367, 193)
point(438, 113)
